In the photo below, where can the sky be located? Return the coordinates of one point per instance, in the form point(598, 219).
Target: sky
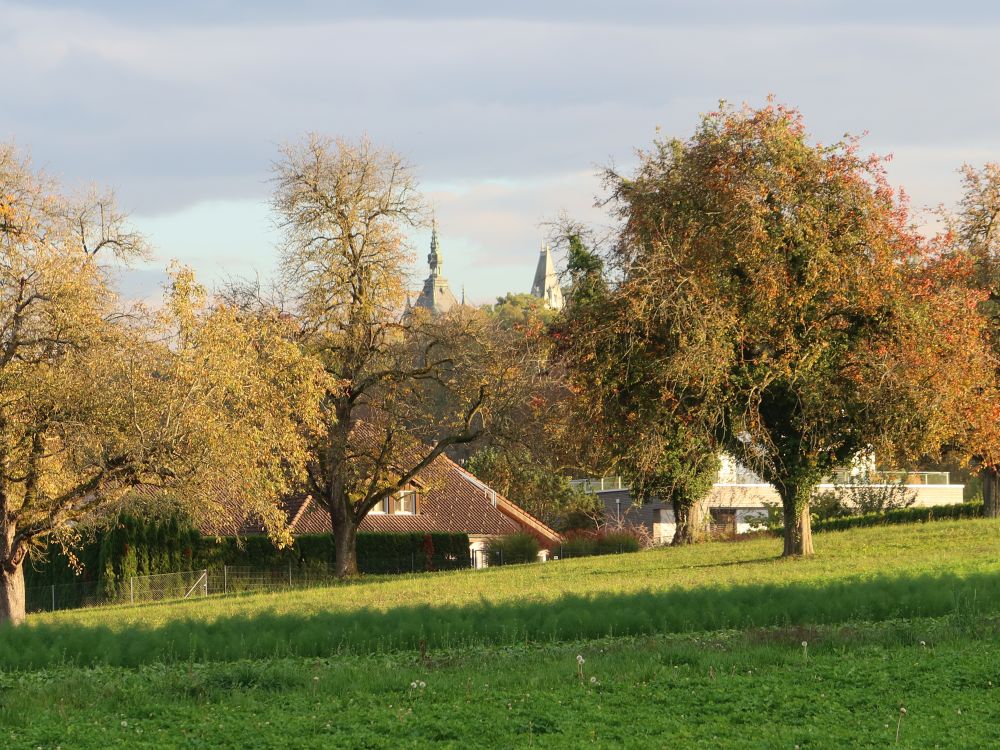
point(508, 111)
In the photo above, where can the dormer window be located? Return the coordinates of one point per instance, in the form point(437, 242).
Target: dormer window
point(404, 502)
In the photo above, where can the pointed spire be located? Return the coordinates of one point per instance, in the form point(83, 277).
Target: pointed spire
point(546, 284)
point(434, 259)
point(463, 295)
point(435, 296)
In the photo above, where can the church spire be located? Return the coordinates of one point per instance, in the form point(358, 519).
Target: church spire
point(435, 296)
point(434, 259)
point(546, 284)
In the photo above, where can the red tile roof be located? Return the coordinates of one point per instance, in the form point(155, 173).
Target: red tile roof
point(453, 501)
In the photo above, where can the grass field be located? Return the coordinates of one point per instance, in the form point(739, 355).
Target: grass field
point(697, 647)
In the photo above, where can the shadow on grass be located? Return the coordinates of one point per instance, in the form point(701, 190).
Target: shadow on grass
point(571, 617)
point(741, 561)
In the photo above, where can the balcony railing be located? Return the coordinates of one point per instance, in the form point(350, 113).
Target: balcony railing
point(844, 476)
point(742, 476)
point(590, 485)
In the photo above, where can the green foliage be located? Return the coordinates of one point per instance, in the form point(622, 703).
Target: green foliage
point(377, 552)
point(522, 310)
point(645, 375)
point(133, 548)
point(513, 548)
point(586, 272)
point(517, 475)
point(863, 495)
point(901, 516)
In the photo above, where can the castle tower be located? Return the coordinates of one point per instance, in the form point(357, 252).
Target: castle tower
point(546, 283)
point(435, 296)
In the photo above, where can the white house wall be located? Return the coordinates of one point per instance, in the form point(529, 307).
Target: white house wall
point(751, 501)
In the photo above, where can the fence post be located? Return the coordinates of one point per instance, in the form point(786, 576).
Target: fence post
point(131, 589)
point(205, 587)
point(413, 562)
point(289, 575)
point(225, 579)
point(53, 597)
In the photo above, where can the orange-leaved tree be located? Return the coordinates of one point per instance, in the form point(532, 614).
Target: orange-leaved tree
point(805, 327)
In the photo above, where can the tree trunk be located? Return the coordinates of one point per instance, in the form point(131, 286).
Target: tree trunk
point(687, 522)
point(345, 539)
point(991, 501)
point(798, 525)
point(12, 594)
point(11, 577)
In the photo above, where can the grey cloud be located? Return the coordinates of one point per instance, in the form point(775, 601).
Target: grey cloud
point(177, 113)
point(674, 12)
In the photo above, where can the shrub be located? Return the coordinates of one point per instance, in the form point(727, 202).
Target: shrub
point(616, 542)
point(513, 548)
point(579, 544)
point(586, 543)
point(862, 495)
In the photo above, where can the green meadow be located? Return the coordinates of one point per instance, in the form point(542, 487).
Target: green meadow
point(690, 647)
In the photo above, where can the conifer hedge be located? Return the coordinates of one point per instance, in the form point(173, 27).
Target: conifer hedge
point(135, 547)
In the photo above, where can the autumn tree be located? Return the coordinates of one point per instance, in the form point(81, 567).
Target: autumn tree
point(96, 400)
point(805, 324)
point(645, 375)
point(404, 386)
point(975, 231)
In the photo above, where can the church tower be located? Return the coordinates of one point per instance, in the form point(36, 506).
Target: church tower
point(436, 296)
point(546, 283)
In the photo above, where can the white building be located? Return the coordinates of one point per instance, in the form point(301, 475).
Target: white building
point(739, 497)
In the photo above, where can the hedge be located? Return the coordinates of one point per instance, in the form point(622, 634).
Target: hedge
point(142, 547)
point(377, 552)
point(899, 515)
point(587, 543)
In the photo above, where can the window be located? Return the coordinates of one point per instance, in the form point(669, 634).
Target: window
point(401, 503)
point(404, 502)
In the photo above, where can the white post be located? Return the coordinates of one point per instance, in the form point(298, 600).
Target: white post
point(131, 589)
point(225, 579)
point(289, 575)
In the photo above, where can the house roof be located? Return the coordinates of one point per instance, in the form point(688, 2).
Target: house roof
point(454, 501)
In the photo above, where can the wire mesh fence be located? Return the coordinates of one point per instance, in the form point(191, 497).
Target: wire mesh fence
point(234, 579)
point(130, 590)
point(223, 580)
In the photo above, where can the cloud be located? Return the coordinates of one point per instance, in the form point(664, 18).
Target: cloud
point(505, 108)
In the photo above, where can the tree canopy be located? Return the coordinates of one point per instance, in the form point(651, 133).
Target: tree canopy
point(97, 399)
point(771, 295)
point(404, 385)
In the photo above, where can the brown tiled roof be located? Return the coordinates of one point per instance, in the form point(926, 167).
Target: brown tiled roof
point(454, 501)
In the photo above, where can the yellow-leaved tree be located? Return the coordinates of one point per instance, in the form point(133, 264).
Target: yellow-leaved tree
point(96, 400)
